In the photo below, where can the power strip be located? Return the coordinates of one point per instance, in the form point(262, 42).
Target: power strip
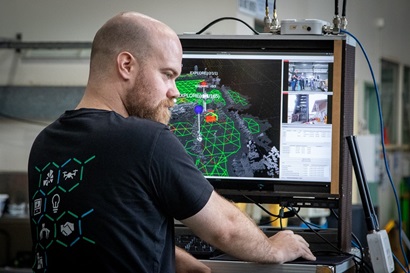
point(380, 252)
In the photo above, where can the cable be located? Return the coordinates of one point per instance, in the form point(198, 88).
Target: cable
point(399, 263)
point(274, 10)
point(344, 8)
point(226, 18)
point(283, 214)
point(275, 15)
point(358, 245)
point(309, 225)
point(363, 265)
point(268, 222)
point(260, 206)
point(336, 7)
point(383, 146)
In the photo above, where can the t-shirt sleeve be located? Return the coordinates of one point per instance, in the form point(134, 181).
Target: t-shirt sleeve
point(181, 188)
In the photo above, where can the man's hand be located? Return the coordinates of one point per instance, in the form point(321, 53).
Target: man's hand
point(224, 226)
point(290, 246)
point(186, 263)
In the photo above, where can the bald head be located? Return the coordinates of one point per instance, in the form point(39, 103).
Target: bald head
point(128, 31)
point(135, 61)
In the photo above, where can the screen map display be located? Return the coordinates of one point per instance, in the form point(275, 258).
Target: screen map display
point(255, 116)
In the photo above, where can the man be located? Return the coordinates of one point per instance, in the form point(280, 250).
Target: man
point(107, 179)
point(294, 80)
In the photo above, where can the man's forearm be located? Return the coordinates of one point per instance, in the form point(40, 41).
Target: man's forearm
point(224, 226)
point(234, 233)
point(242, 238)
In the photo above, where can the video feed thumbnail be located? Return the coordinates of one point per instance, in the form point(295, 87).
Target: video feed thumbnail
point(308, 76)
point(307, 108)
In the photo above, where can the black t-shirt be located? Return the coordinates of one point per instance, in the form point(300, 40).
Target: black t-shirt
point(104, 191)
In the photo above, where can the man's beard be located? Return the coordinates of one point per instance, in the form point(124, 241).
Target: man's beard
point(138, 105)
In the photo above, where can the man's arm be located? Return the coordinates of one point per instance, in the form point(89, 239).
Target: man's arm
point(186, 263)
point(224, 226)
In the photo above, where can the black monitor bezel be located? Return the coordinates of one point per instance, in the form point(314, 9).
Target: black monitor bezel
point(317, 194)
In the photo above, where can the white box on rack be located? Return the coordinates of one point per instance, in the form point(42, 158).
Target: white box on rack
point(302, 26)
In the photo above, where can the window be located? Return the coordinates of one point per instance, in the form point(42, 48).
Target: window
point(389, 91)
point(395, 101)
point(371, 111)
point(406, 106)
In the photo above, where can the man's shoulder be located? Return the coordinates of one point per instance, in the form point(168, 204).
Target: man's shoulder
point(110, 118)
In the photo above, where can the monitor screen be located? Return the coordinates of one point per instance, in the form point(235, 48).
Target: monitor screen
point(258, 121)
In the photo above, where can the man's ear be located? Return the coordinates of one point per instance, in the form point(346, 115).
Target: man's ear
point(126, 64)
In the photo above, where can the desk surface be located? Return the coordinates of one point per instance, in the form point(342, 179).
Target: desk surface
point(320, 266)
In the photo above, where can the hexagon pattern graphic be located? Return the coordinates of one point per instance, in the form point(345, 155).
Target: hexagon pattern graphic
point(53, 226)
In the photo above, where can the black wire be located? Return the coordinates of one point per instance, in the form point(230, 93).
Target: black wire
point(226, 18)
point(360, 264)
point(337, 249)
point(336, 7)
point(366, 267)
point(344, 8)
point(309, 225)
point(261, 207)
point(269, 222)
point(363, 263)
point(281, 218)
point(267, 211)
point(360, 249)
point(358, 243)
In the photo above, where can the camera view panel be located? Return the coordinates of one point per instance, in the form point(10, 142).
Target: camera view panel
point(228, 115)
point(306, 135)
point(308, 75)
point(304, 108)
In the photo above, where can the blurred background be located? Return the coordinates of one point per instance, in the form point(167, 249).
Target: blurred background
point(36, 86)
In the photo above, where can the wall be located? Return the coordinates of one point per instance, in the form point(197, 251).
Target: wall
point(48, 20)
point(376, 23)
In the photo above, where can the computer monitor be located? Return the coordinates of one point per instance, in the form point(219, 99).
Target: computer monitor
point(261, 116)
